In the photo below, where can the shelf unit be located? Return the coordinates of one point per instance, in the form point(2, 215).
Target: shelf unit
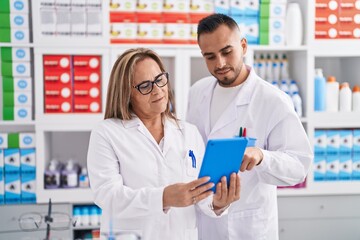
point(185, 65)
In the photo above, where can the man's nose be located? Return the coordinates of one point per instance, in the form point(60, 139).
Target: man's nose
point(220, 63)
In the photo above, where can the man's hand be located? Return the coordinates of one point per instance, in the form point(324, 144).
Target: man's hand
point(224, 196)
point(252, 157)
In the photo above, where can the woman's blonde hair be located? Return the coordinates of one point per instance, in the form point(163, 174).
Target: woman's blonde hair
point(118, 103)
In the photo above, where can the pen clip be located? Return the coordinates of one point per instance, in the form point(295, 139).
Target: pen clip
point(244, 133)
point(193, 159)
point(240, 132)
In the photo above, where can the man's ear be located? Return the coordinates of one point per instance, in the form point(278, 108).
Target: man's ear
point(243, 43)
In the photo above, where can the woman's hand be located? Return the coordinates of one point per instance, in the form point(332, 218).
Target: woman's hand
point(186, 194)
point(224, 196)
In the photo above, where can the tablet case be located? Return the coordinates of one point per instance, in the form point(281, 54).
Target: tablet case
point(222, 157)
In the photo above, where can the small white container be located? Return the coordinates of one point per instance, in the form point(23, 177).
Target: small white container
point(356, 98)
point(345, 96)
point(332, 94)
point(297, 103)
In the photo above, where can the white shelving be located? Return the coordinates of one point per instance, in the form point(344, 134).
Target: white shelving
point(185, 65)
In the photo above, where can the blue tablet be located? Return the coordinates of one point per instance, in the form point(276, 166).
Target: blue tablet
point(222, 158)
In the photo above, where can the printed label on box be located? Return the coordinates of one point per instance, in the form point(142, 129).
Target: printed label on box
point(319, 167)
point(11, 160)
point(12, 188)
point(27, 160)
point(345, 168)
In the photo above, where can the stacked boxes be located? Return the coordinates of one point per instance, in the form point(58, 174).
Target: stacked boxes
point(17, 168)
point(272, 22)
point(337, 19)
point(14, 21)
point(71, 18)
point(157, 21)
point(246, 14)
point(72, 83)
point(16, 84)
point(337, 155)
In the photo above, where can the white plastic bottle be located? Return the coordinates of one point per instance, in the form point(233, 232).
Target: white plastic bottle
point(284, 74)
point(356, 98)
point(297, 103)
point(294, 25)
point(275, 83)
point(262, 67)
point(284, 86)
point(276, 68)
point(293, 87)
point(332, 95)
point(268, 72)
point(345, 96)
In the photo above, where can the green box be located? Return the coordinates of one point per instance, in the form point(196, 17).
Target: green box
point(264, 24)
point(7, 69)
point(13, 140)
point(8, 99)
point(4, 6)
point(8, 84)
point(264, 10)
point(8, 113)
point(6, 54)
point(264, 38)
point(5, 20)
point(5, 34)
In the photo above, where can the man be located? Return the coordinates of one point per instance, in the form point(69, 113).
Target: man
point(233, 98)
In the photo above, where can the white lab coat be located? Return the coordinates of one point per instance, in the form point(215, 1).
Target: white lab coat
point(128, 172)
point(268, 115)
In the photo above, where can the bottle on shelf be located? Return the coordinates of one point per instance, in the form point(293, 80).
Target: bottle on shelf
point(83, 178)
point(268, 72)
point(284, 73)
point(332, 95)
point(320, 91)
point(284, 86)
point(261, 67)
point(297, 103)
point(345, 97)
point(294, 25)
point(52, 175)
point(70, 175)
point(293, 87)
point(276, 68)
point(356, 98)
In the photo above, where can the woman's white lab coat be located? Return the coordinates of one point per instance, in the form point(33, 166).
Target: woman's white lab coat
point(268, 115)
point(128, 172)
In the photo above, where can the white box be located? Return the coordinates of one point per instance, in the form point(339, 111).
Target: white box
point(78, 22)
point(27, 140)
point(94, 23)
point(19, 6)
point(63, 22)
point(22, 99)
point(3, 140)
point(19, 20)
point(201, 6)
point(149, 6)
point(222, 6)
point(123, 5)
point(47, 21)
point(176, 6)
point(20, 35)
point(20, 54)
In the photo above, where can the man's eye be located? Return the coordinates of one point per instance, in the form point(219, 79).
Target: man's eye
point(226, 53)
point(210, 58)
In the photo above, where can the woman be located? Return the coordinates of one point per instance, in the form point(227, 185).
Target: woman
point(140, 167)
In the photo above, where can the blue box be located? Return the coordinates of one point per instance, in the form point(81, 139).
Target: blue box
point(345, 167)
point(320, 142)
point(11, 160)
point(249, 27)
point(356, 167)
point(27, 160)
point(12, 188)
point(333, 142)
point(222, 6)
point(346, 142)
point(319, 167)
point(332, 167)
point(356, 141)
point(28, 187)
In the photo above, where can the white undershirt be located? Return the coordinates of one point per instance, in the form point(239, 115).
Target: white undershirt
point(222, 97)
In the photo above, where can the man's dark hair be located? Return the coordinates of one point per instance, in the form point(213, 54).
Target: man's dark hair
point(210, 23)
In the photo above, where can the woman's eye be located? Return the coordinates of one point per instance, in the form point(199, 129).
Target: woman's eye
point(145, 85)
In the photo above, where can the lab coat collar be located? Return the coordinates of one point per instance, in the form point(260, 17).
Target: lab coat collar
point(247, 90)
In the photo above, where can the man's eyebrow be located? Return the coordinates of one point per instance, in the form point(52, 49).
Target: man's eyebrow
point(223, 49)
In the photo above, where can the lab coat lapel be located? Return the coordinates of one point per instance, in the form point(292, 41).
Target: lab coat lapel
point(204, 111)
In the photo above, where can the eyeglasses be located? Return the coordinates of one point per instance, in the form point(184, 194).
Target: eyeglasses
point(37, 221)
point(146, 87)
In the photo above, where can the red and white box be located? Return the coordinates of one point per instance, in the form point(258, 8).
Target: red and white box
point(177, 28)
point(123, 27)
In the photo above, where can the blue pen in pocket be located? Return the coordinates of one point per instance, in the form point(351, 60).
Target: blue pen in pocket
point(193, 159)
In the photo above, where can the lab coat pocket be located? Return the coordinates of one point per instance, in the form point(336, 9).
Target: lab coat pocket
point(248, 224)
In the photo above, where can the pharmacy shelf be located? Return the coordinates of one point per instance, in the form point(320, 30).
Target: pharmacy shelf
point(70, 122)
point(336, 120)
point(335, 48)
point(73, 195)
point(17, 123)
